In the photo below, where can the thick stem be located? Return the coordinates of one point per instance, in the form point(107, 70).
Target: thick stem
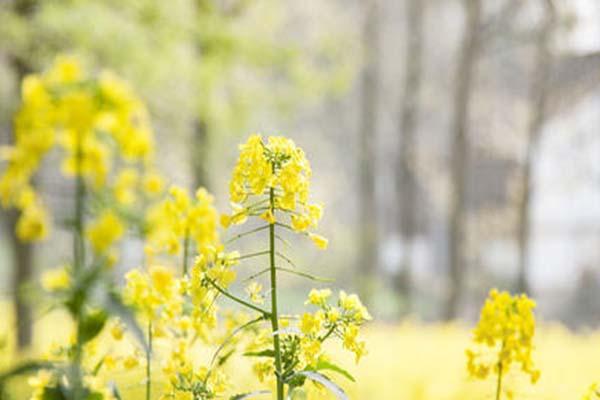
point(78, 262)
point(149, 363)
point(274, 314)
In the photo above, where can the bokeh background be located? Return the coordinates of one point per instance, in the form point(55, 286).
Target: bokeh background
point(455, 143)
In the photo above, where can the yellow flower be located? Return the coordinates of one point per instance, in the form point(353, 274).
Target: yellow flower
point(67, 107)
point(110, 362)
point(263, 370)
point(162, 280)
point(56, 279)
point(310, 350)
point(276, 165)
point(105, 231)
point(319, 241)
point(33, 224)
point(130, 362)
point(117, 331)
point(125, 185)
point(254, 290)
point(153, 183)
point(318, 297)
point(179, 218)
point(504, 335)
point(268, 216)
point(354, 307)
point(311, 324)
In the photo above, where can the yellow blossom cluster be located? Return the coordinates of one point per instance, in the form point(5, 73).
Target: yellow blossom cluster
point(342, 320)
point(188, 381)
point(104, 231)
point(278, 167)
point(129, 183)
point(503, 336)
point(179, 219)
point(154, 293)
point(91, 119)
point(56, 279)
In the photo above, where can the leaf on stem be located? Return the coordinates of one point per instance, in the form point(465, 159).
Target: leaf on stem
point(325, 381)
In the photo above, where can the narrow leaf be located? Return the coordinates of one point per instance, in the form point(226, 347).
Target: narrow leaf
point(323, 380)
point(327, 365)
point(243, 396)
point(25, 368)
point(263, 353)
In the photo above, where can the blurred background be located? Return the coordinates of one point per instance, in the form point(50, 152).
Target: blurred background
point(455, 143)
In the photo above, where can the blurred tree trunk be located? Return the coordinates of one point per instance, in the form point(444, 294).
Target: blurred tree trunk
point(539, 89)
point(406, 194)
point(462, 96)
point(22, 251)
point(199, 148)
point(368, 129)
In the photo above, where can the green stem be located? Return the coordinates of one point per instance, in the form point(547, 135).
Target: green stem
point(78, 263)
point(274, 314)
point(499, 384)
point(237, 299)
point(329, 332)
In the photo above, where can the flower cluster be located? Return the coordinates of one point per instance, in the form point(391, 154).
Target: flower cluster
point(342, 321)
point(187, 381)
point(279, 167)
point(92, 120)
point(178, 219)
point(503, 336)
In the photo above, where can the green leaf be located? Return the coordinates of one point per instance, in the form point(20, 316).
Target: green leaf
point(327, 365)
point(325, 381)
point(115, 391)
point(25, 368)
point(243, 396)
point(223, 359)
point(263, 353)
point(53, 393)
point(94, 396)
point(91, 325)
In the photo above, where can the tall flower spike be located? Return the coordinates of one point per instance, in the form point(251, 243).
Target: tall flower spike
point(503, 337)
point(94, 119)
point(277, 164)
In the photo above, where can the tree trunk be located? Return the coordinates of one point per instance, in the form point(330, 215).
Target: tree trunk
point(368, 130)
point(462, 96)
point(406, 194)
point(539, 89)
point(23, 263)
point(22, 251)
point(199, 155)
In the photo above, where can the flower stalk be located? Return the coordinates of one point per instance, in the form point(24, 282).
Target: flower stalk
point(274, 314)
point(78, 263)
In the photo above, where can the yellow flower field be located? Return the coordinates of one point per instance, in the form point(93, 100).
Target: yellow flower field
point(420, 362)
